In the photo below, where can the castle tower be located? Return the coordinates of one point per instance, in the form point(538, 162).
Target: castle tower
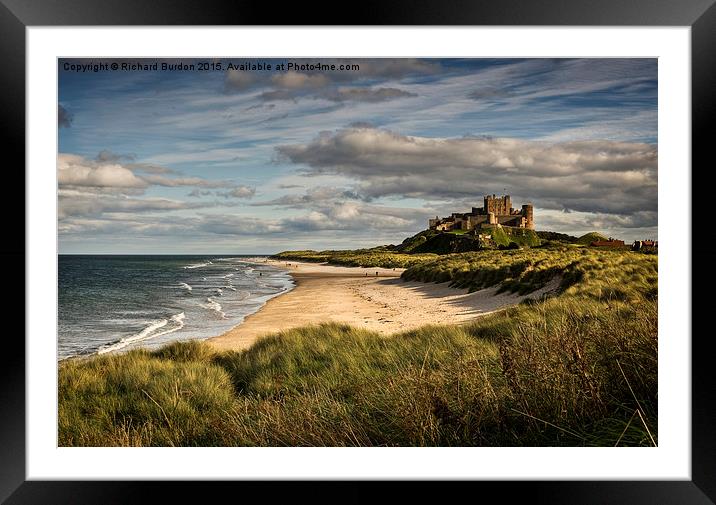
point(501, 206)
point(528, 214)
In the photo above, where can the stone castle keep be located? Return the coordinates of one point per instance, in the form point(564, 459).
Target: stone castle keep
point(496, 210)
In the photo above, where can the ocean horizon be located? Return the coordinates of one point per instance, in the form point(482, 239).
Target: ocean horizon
point(115, 303)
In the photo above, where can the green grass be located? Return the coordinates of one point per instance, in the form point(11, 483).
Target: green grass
point(521, 237)
point(576, 369)
point(409, 245)
point(423, 246)
point(557, 237)
point(590, 237)
point(597, 273)
point(168, 398)
point(377, 257)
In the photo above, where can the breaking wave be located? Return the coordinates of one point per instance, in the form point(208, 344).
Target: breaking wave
point(212, 304)
point(176, 322)
point(197, 265)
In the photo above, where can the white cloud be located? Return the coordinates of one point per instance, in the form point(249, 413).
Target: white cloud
point(239, 81)
point(73, 170)
point(103, 185)
point(79, 203)
point(185, 181)
point(606, 176)
point(297, 80)
point(238, 192)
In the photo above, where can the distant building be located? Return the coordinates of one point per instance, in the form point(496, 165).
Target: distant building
point(638, 245)
point(607, 243)
point(495, 210)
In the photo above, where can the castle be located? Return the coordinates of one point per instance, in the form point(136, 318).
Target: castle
point(496, 211)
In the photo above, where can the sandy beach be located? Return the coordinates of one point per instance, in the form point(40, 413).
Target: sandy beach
point(371, 298)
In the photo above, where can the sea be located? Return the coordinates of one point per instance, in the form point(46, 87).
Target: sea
point(117, 303)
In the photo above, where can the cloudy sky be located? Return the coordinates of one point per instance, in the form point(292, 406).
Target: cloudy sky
point(258, 161)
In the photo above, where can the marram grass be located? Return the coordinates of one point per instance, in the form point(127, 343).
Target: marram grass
point(575, 369)
point(376, 257)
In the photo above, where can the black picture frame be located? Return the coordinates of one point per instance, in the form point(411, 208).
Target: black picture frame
point(700, 15)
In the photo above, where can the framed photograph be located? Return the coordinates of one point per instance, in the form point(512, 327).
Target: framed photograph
point(359, 253)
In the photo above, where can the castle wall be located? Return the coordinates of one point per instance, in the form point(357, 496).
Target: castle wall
point(515, 221)
point(496, 210)
point(476, 221)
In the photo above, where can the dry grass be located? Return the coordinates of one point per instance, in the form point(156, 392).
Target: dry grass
point(377, 257)
point(576, 369)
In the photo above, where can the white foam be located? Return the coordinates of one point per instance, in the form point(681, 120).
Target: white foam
point(147, 333)
point(214, 305)
point(197, 265)
point(242, 301)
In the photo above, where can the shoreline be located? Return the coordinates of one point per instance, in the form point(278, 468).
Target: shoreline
point(358, 297)
point(314, 284)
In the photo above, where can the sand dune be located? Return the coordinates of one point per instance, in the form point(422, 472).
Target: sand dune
point(357, 296)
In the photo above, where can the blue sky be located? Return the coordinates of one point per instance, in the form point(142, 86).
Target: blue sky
point(250, 161)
